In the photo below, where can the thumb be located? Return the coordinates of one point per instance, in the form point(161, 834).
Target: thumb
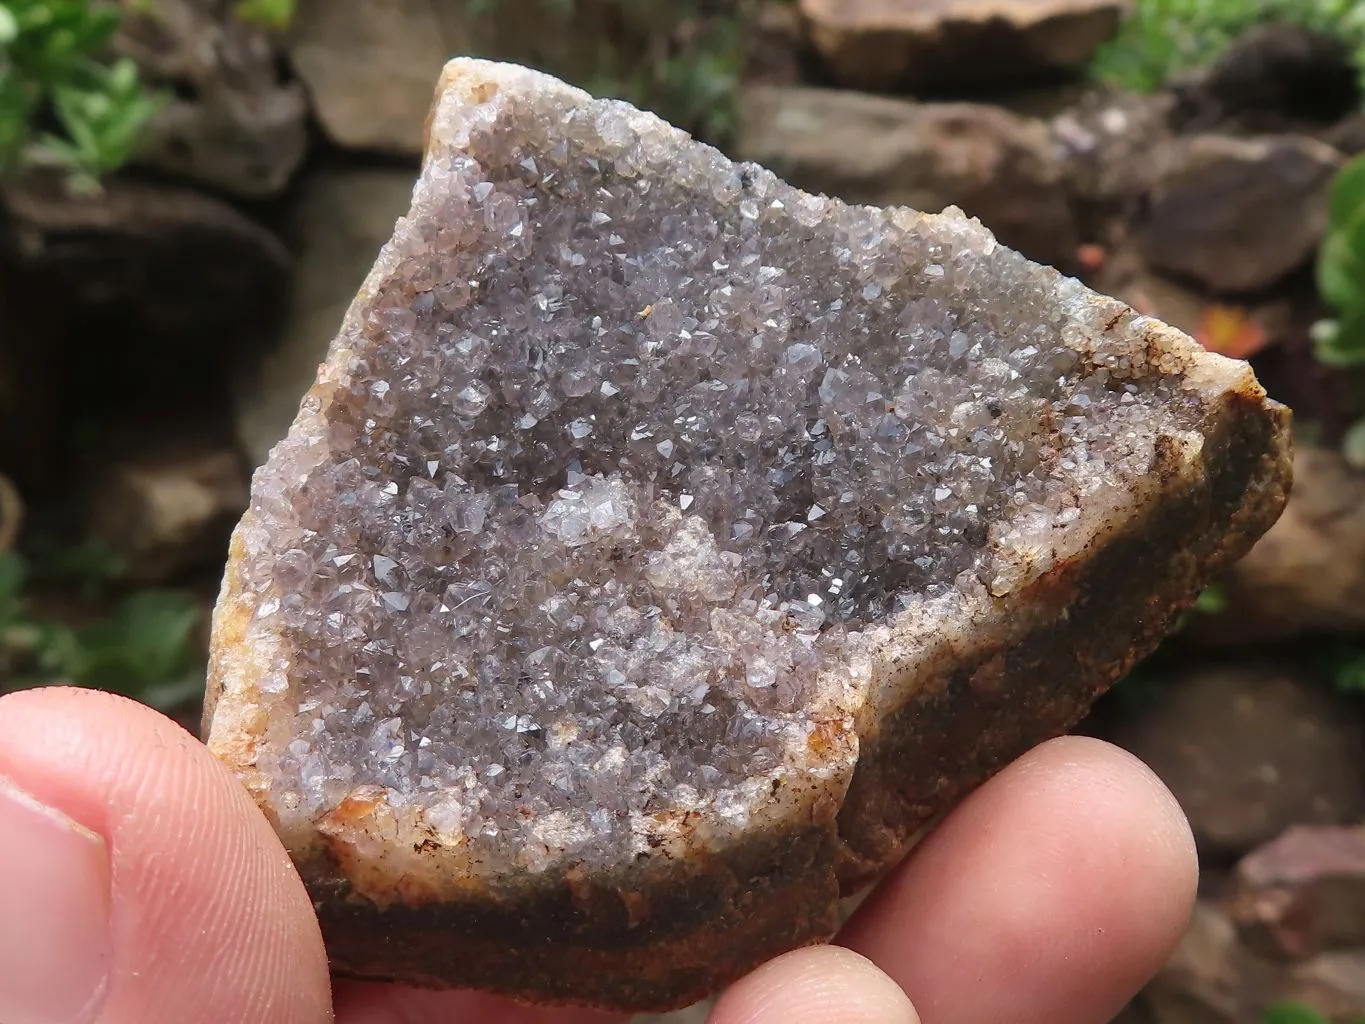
point(137, 880)
point(816, 985)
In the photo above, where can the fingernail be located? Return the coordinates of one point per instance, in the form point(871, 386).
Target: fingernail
point(54, 905)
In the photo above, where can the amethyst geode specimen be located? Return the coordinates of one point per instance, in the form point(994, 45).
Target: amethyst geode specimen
point(661, 547)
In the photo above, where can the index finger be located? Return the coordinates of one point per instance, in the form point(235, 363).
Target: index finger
point(1050, 896)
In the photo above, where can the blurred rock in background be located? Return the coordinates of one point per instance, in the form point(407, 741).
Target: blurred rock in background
point(1303, 893)
point(995, 165)
point(167, 510)
point(1236, 215)
point(371, 69)
point(1250, 750)
point(932, 46)
point(1307, 575)
point(236, 122)
point(340, 218)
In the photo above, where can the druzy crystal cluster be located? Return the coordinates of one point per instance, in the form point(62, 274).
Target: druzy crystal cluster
point(627, 450)
point(627, 476)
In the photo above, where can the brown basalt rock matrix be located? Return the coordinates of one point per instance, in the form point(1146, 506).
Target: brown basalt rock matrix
point(661, 548)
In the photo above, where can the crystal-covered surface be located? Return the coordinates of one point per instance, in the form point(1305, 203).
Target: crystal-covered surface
point(627, 446)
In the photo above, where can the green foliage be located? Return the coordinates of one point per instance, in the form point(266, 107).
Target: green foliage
point(1292, 1013)
point(1163, 37)
point(1341, 270)
point(276, 15)
point(1211, 601)
point(480, 7)
point(1343, 663)
point(691, 75)
point(88, 567)
point(689, 72)
point(60, 106)
point(1353, 445)
point(13, 574)
point(1296, 1013)
point(700, 84)
point(144, 647)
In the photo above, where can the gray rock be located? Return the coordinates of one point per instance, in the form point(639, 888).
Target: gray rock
point(773, 44)
point(1275, 77)
point(1302, 893)
point(170, 509)
point(994, 165)
point(1250, 750)
point(1106, 141)
point(1211, 978)
point(1236, 215)
point(1348, 135)
point(172, 261)
point(939, 45)
point(1332, 983)
point(341, 219)
point(1308, 573)
point(232, 122)
point(370, 67)
point(1206, 979)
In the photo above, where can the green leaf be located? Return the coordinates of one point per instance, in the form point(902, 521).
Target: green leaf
point(272, 14)
point(1162, 37)
point(77, 112)
point(1323, 332)
point(145, 643)
point(58, 652)
point(1348, 191)
point(50, 60)
point(89, 28)
point(1292, 1013)
point(1352, 233)
point(9, 26)
point(1344, 664)
point(54, 151)
point(88, 566)
point(1339, 358)
point(16, 110)
point(1211, 601)
point(1340, 275)
point(1334, 353)
point(13, 575)
point(1353, 445)
point(1345, 344)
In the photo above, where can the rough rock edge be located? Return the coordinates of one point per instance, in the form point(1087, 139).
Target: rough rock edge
point(970, 694)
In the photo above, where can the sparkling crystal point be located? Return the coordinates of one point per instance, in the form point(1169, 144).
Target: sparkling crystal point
point(661, 547)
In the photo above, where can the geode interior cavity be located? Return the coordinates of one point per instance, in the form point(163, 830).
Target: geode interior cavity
point(662, 547)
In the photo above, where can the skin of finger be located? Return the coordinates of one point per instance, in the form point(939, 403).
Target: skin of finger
point(818, 985)
point(375, 1003)
point(211, 924)
point(1052, 894)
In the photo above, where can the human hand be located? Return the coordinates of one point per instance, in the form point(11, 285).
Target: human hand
point(140, 885)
